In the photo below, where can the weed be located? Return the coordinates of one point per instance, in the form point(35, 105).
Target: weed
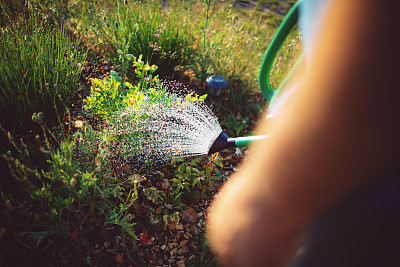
point(234, 126)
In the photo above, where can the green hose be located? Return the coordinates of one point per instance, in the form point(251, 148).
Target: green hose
point(276, 43)
point(266, 65)
point(245, 141)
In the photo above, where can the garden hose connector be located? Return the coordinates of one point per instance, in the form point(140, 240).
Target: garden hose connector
point(223, 142)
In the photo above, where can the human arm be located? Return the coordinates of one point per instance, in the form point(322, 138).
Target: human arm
point(336, 133)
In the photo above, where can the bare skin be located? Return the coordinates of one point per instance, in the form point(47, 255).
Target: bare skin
point(336, 134)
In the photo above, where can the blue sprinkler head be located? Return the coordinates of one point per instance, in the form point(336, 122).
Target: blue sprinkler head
point(217, 81)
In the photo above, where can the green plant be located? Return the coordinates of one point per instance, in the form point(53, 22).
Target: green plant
point(144, 73)
point(234, 126)
point(192, 179)
point(111, 94)
point(166, 206)
point(38, 72)
point(106, 96)
point(195, 177)
point(57, 205)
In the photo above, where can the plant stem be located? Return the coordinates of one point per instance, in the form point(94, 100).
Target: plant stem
point(206, 26)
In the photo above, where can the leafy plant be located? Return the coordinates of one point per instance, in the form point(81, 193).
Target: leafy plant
point(113, 94)
point(192, 179)
point(234, 126)
point(106, 96)
point(124, 221)
point(144, 74)
point(195, 177)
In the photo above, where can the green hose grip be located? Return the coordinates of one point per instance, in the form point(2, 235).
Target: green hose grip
point(245, 141)
point(276, 43)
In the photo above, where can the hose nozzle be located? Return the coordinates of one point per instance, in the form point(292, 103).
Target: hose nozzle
point(223, 142)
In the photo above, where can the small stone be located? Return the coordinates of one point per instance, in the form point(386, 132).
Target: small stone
point(238, 152)
point(78, 123)
point(164, 247)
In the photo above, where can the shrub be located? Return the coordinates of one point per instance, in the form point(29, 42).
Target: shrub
point(38, 72)
point(106, 94)
point(113, 94)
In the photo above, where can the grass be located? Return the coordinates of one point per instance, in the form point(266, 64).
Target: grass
point(78, 201)
point(39, 70)
point(138, 28)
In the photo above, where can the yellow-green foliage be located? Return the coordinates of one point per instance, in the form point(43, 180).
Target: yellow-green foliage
point(106, 96)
